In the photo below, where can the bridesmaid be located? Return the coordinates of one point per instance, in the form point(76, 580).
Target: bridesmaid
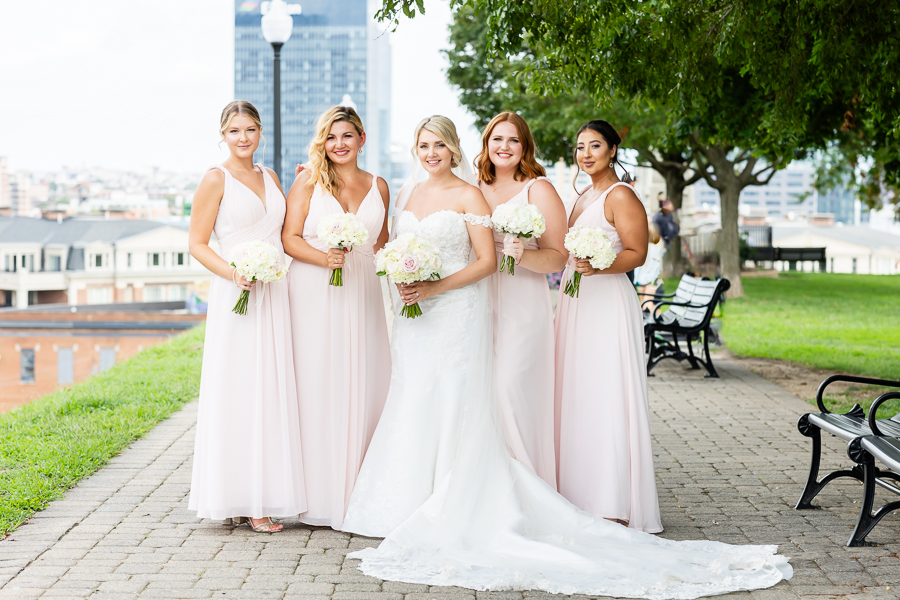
point(247, 458)
point(605, 456)
point(341, 354)
point(523, 311)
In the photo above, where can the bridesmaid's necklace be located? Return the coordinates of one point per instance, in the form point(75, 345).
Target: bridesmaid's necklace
point(503, 186)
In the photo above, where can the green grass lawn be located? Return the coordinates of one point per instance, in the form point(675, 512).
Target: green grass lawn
point(47, 446)
point(846, 323)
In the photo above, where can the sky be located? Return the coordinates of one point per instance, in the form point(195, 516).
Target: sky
point(141, 83)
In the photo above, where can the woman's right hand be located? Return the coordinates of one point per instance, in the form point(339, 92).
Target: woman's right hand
point(242, 283)
point(334, 258)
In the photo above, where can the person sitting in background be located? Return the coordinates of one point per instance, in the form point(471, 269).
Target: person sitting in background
point(647, 276)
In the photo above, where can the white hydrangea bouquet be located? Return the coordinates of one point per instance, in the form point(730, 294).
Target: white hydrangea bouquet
point(593, 244)
point(408, 259)
point(256, 261)
point(341, 230)
point(519, 220)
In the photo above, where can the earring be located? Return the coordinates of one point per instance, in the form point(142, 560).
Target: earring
point(359, 151)
point(610, 165)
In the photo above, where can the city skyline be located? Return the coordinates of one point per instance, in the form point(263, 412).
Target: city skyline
point(126, 86)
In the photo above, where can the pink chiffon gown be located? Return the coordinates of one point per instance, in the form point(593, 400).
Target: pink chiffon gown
point(523, 360)
point(247, 456)
point(341, 358)
point(604, 451)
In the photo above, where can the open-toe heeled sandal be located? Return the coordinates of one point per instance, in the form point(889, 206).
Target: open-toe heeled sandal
point(267, 526)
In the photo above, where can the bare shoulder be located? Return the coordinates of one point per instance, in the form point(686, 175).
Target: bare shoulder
point(473, 200)
point(301, 188)
point(213, 181)
point(544, 188)
point(623, 194)
point(274, 176)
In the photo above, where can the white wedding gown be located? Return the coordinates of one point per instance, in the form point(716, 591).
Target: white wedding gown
point(456, 509)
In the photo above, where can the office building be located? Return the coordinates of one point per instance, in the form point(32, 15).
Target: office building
point(335, 51)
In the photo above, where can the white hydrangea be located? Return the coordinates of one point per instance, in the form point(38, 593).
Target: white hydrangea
point(256, 261)
point(591, 243)
point(520, 220)
point(342, 230)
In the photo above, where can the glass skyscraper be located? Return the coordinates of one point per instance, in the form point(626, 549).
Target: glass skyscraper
point(335, 51)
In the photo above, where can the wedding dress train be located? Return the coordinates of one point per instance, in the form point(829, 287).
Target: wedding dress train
point(439, 484)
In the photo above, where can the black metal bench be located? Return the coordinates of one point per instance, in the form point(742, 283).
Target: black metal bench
point(689, 316)
point(848, 426)
point(864, 451)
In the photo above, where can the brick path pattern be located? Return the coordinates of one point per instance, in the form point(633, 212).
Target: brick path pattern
point(730, 465)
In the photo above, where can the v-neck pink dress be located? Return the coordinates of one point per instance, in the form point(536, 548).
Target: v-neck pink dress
point(247, 455)
point(523, 360)
point(341, 359)
point(604, 450)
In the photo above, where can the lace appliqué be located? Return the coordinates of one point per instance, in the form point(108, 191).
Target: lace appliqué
point(484, 221)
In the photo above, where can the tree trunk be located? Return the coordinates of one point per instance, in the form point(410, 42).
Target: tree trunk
point(729, 246)
point(674, 262)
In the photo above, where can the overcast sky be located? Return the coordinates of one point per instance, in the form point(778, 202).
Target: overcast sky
point(140, 83)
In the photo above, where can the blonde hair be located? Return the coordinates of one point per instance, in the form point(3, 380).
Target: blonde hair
point(446, 131)
point(320, 168)
point(241, 107)
point(528, 167)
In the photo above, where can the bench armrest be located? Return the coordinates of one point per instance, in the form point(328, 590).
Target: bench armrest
point(873, 425)
point(820, 393)
point(656, 295)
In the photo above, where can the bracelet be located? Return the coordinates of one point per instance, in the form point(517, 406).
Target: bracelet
point(233, 271)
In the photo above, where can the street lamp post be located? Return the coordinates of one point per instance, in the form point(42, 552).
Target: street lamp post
point(277, 25)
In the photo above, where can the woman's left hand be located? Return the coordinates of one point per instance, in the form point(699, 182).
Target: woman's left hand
point(418, 291)
point(513, 246)
point(584, 267)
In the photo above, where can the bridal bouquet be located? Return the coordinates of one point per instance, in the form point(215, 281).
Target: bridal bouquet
point(520, 220)
point(593, 244)
point(341, 230)
point(408, 259)
point(256, 261)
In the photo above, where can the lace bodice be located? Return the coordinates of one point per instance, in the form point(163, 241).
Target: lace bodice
point(446, 229)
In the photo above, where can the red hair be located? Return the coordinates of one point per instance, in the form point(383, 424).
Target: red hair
point(528, 168)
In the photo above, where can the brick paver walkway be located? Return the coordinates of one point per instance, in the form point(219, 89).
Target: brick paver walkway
point(730, 465)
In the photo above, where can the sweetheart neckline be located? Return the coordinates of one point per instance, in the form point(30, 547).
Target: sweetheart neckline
point(418, 220)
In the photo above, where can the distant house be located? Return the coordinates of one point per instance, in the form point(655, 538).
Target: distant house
point(94, 261)
point(851, 249)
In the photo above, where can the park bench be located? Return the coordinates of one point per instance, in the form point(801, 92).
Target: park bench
point(689, 316)
point(867, 438)
point(864, 451)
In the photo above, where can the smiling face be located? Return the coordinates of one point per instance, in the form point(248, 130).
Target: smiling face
point(343, 142)
point(433, 153)
point(593, 153)
point(505, 147)
point(242, 136)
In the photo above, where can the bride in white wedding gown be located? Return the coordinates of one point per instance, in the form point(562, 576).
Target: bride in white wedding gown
point(438, 482)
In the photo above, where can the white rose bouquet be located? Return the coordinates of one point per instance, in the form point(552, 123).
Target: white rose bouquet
point(256, 261)
point(593, 244)
point(341, 230)
point(408, 259)
point(519, 220)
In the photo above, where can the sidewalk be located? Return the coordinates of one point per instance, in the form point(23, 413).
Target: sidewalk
point(730, 465)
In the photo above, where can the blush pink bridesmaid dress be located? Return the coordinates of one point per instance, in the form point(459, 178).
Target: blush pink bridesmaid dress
point(247, 455)
point(604, 451)
point(341, 359)
point(523, 360)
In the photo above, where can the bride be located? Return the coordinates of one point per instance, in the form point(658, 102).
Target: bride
point(438, 482)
